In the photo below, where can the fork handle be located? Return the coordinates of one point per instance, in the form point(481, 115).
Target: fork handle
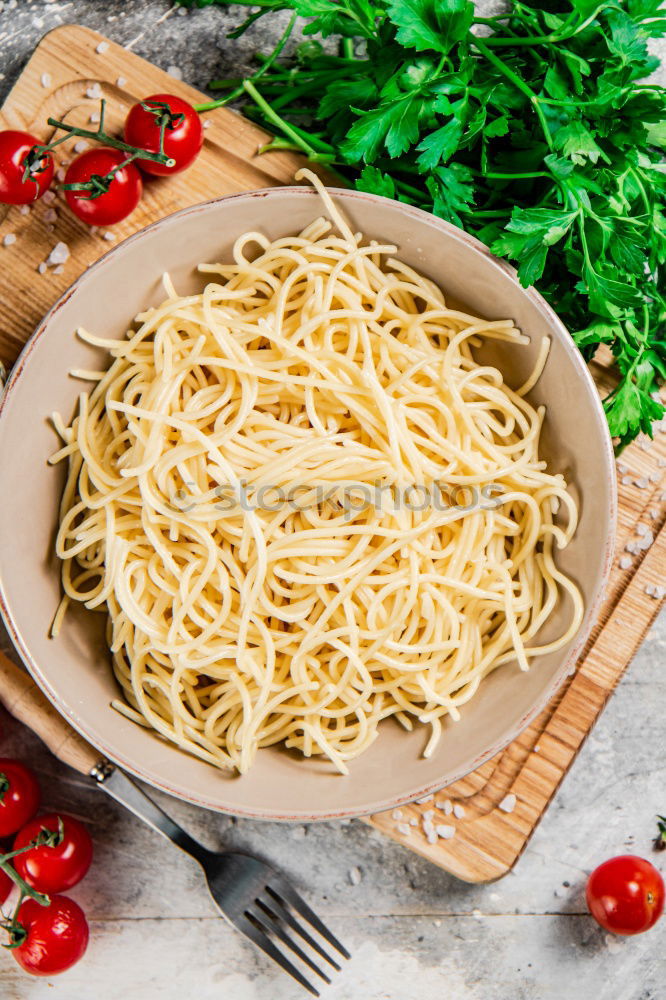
point(24, 700)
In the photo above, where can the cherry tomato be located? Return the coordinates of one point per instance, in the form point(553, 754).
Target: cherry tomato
point(115, 204)
point(56, 936)
point(6, 886)
point(54, 869)
point(183, 132)
point(625, 894)
point(14, 148)
point(19, 795)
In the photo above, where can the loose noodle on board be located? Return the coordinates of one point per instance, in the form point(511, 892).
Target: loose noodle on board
point(313, 364)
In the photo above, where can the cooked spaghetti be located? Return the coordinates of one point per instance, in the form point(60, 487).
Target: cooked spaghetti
point(305, 507)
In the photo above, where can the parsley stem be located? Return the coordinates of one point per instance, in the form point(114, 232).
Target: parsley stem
point(266, 65)
point(280, 123)
point(480, 44)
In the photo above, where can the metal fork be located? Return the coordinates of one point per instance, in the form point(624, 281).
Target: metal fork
point(255, 898)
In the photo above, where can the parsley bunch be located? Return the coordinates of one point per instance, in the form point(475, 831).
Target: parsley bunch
point(531, 129)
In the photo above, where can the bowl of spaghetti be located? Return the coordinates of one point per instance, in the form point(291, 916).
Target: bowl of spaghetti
point(316, 509)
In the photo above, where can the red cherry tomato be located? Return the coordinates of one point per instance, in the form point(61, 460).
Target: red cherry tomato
point(183, 132)
point(19, 796)
point(56, 936)
point(115, 204)
point(6, 886)
point(54, 869)
point(625, 895)
point(14, 148)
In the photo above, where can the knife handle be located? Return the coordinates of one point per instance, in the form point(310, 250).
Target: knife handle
point(24, 700)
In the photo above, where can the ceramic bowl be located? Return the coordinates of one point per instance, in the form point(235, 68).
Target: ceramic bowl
point(74, 669)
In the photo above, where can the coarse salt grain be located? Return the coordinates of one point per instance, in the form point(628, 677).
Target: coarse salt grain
point(622, 468)
point(655, 477)
point(431, 836)
point(94, 118)
point(94, 92)
point(641, 529)
point(404, 829)
point(60, 174)
point(121, 81)
point(654, 514)
point(627, 480)
point(646, 541)
point(458, 811)
point(41, 268)
point(537, 749)
point(48, 197)
point(59, 269)
point(176, 72)
point(50, 215)
point(24, 209)
point(444, 831)
point(641, 482)
point(109, 237)
point(355, 875)
point(397, 814)
point(102, 47)
point(45, 80)
point(428, 815)
point(59, 255)
point(508, 803)
point(81, 146)
point(9, 239)
point(447, 807)
point(626, 562)
point(206, 124)
point(413, 821)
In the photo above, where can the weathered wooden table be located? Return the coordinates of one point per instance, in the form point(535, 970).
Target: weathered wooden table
point(416, 933)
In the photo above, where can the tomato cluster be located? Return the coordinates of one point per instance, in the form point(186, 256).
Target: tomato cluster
point(103, 185)
point(51, 853)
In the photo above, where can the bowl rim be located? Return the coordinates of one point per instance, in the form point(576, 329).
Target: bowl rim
point(566, 668)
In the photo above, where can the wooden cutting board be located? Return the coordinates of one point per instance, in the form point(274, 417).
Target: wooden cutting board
point(495, 809)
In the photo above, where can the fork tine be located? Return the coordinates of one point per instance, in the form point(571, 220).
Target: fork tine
point(281, 889)
point(284, 913)
point(262, 941)
point(271, 924)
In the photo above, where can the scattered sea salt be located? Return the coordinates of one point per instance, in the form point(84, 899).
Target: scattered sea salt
point(397, 814)
point(537, 749)
point(444, 831)
point(656, 592)
point(508, 803)
point(41, 268)
point(622, 468)
point(446, 807)
point(655, 477)
point(458, 811)
point(627, 480)
point(654, 514)
point(48, 197)
point(46, 80)
point(60, 174)
point(59, 255)
point(59, 269)
point(206, 124)
point(9, 239)
point(431, 836)
point(25, 209)
point(413, 821)
point(426, 798)
point(176, 72)
point(661, 462)
point(121, 81)
point(81, 146)
point(102, 47)
point(94, 92)
point(403, 828)
point(642, 483)
point(109, 237)
point(626, 562)
point(641, 529)
point(355, 875)
point(50, 215)
point(94, 118)
point(428, 815)
point(646, 540)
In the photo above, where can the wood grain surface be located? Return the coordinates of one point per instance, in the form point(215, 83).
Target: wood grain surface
point(63, 79)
